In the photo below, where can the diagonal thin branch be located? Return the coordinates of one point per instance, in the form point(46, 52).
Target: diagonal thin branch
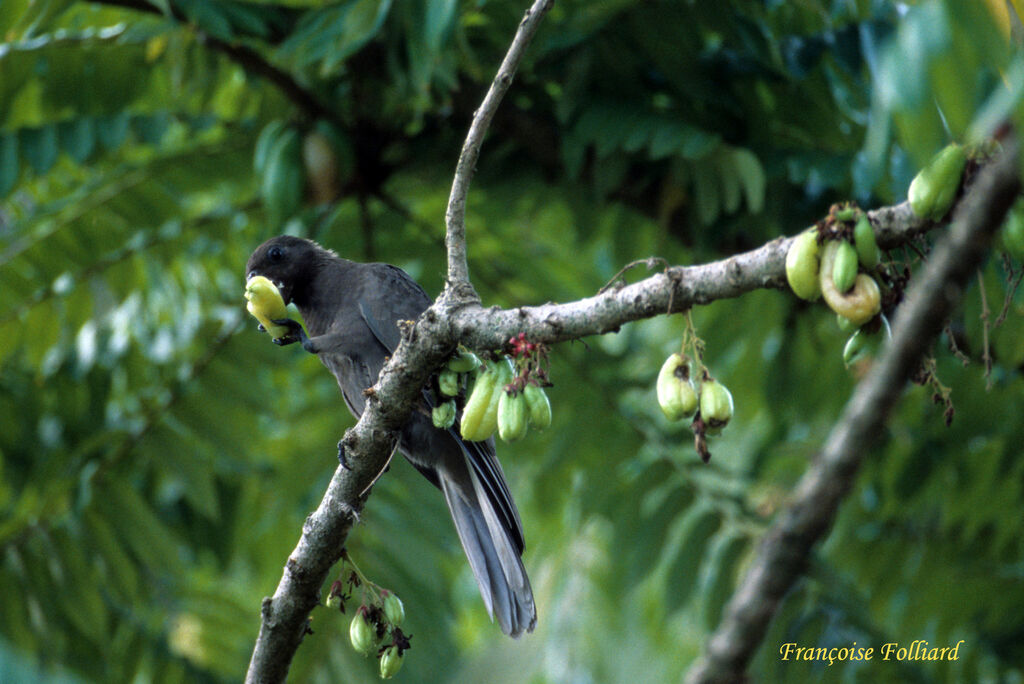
point(455, 215)
point(367, 447)
point(783, 553)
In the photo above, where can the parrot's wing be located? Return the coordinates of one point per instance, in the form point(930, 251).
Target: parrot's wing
point(393, 297)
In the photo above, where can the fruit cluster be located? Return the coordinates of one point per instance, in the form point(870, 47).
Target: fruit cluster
point(836, 260)
point(709, 403)
point(507, 394)
point(375, 626)
point(832, 270)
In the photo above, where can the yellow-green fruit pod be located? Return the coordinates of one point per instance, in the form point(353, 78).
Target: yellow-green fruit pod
point(443, 415)
point(862, 344)
point(505, 372)
point(266, 304)
point(463, 361)
point(477, 404)
point(676, 395)
point(539, 406)
point(864, 241)
point(949, 169)
point(394, 609)
point(390, 662)
point(861, 303)
point(846, 214)
point(802, 265)
point(844, 267)
point(715, 406)
point(844, 324)
point(448, 382)
point(1013, 232)
point(933, 189)
point(513, 416)
point(855, 348)
point(480, 415)
point(362, 633)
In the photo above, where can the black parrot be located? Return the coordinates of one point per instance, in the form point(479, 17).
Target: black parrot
point(352, 312)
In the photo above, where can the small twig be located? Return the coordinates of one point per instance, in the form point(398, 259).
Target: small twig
point(954, 348)
point(455, 215)
point(649, 262)
point(384, 469)
point(1015, 277)
point(986, 351)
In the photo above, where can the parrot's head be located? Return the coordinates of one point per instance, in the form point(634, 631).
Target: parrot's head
point(290, 262)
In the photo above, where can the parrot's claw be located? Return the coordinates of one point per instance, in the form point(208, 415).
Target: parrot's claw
point(295, 334)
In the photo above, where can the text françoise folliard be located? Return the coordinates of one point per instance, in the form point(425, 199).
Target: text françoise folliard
point(917, 650)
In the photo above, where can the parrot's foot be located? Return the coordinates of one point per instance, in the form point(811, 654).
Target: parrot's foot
point(295, 334)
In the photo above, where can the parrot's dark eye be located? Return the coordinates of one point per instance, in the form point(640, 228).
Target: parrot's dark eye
point(275, 254)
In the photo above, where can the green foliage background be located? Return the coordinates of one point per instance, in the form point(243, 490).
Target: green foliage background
point(158, 456)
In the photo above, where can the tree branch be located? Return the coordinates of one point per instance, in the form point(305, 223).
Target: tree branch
point(676, 289)
point(783, 553)
point(367, 447)
point(455, 215)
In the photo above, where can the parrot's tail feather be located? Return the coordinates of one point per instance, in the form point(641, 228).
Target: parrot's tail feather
point(499, 572)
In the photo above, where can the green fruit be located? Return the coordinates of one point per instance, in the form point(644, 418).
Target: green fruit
point(846, 214)
point(862, 345)
point(448, 382)
point(362, 633)
point(860, 304)
point(676, 395)
point(390, 662)
point(463, 361)
point(284, 179)
point(443, 415)
point(513, 416)
point(266, 304)
point(1013, 231)
point(716, 405)
point(539, 406)
point(394, 610)
point(845, 325)
point(864, 241)
point(844, 267)
point(933, 189)
point(802, 265)
point(855, 347)
point(480, 415)
point(477, 404)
